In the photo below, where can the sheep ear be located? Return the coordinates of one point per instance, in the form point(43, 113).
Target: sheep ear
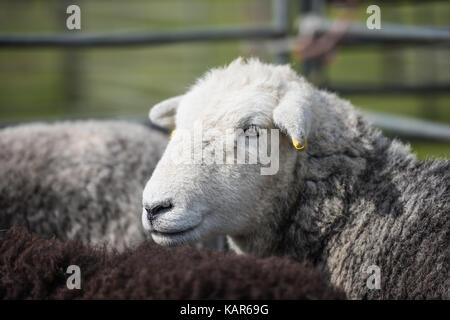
point(163, 113)
point(293, 114)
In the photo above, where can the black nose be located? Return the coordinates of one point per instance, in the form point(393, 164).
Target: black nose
point(157, 208)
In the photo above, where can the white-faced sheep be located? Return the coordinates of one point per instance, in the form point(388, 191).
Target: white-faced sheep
point(356, 204)
point(35, 268)
point(78, 179)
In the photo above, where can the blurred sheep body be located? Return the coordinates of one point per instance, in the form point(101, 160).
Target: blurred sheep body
point(352, 200)
point(78, 179)
point(34, 268)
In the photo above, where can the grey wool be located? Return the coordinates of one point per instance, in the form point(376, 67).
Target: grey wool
point(78, 179)
point(382, 208)
point(358, 199)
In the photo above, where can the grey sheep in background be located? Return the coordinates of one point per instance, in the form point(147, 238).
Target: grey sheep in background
point(344, 197)
point(78, 179)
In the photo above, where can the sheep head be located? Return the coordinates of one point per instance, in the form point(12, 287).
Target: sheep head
point(201, 187)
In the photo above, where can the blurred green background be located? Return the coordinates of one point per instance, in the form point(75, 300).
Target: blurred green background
point(125, 82)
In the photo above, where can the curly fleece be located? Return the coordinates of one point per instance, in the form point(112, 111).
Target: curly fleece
point(78, 179)
point(34, 268)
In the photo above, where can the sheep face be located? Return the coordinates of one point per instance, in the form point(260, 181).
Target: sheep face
point(202, 186)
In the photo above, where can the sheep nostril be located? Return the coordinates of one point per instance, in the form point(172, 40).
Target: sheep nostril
point(154, 210)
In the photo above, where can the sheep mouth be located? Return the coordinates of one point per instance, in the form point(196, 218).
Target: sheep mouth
point(173, 238)
point(171, 234)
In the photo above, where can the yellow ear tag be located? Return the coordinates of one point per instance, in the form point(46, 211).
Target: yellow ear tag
point(298, 146)
point(171, 134)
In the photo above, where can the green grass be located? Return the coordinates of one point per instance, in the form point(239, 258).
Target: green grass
point(433, 108)
point(426, 150)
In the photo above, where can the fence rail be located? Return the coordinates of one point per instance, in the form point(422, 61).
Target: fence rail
point(403, 127)
point(120, 40)
point(420, 89)
point(355, 34)
point(390, 33)
point(410, 128)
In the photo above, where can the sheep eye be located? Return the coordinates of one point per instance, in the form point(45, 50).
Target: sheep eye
point(252, 131)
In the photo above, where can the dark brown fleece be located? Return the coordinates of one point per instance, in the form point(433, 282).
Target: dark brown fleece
point(34, 268)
